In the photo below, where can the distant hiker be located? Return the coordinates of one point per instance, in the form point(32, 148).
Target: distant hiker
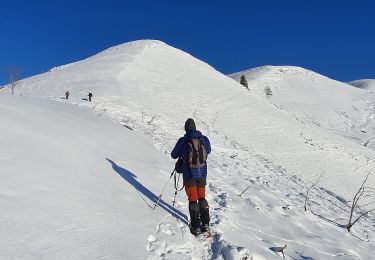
point(90, 96)
point(193, 149)
point(67, 94)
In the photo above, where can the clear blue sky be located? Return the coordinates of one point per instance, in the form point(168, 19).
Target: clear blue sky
point(334, 37)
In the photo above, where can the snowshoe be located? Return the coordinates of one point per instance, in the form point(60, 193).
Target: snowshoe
point(205, 228)
point(194, 231)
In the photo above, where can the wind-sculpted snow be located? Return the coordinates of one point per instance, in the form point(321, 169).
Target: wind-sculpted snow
point(258, 145)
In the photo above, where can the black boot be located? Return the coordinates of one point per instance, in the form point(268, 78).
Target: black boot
point(194, 217)
point(204, 214)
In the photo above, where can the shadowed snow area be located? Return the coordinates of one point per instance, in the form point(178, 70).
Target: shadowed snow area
point(368, 84)
point(79, 185)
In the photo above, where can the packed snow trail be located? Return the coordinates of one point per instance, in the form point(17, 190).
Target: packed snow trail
point(281, 194)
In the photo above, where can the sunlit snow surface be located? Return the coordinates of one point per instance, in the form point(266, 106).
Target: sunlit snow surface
point(78, 186)
point(313, 99)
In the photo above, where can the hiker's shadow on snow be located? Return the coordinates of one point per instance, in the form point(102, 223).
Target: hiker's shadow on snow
point(131, 179)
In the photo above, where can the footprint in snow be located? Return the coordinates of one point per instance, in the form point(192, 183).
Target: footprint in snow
point(222, 250)
point(150, 243)
point(165, 228)
point(222, 199)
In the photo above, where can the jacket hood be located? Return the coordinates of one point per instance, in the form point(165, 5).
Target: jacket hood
point(193, 134)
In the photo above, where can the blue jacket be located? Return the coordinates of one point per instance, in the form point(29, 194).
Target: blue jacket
point(181, 149)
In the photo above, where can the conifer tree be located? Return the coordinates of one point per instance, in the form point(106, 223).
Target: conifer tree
point(244, 82)
point(268, 91)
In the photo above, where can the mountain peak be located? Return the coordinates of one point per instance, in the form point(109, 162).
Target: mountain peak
point(139, 43)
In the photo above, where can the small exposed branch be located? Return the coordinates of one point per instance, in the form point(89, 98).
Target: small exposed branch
point(360, 216)
point(308, 190)
point(244, 190)
point(279, 250)
point(151, 120)
point(367, 204)
point(361, 191)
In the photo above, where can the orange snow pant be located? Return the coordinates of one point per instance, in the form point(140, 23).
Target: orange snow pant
point(195, 188)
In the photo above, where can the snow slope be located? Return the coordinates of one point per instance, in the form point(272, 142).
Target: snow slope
point(145, 84)
point(77, 186)
point(60, 194)
point(368, 84)
point(314, 99)
point(152, 88)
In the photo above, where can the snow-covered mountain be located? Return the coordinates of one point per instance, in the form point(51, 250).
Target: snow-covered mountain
point(368, 84)
point(152, 88)
point(314, 99)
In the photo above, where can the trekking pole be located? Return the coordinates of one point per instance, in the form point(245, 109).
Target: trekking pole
point(175, 192)
point(161, 193)
point(176, 188)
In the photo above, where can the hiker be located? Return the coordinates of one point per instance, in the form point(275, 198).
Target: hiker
point(90, 96)
point(193, 149)
point(67, 94)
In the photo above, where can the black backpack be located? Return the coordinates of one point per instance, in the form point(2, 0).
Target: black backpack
point(178, 165)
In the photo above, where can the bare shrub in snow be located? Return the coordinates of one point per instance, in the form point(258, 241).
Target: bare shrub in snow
point(278, 250)
point(13, 74)
point(363, 192)
point(126, 122)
